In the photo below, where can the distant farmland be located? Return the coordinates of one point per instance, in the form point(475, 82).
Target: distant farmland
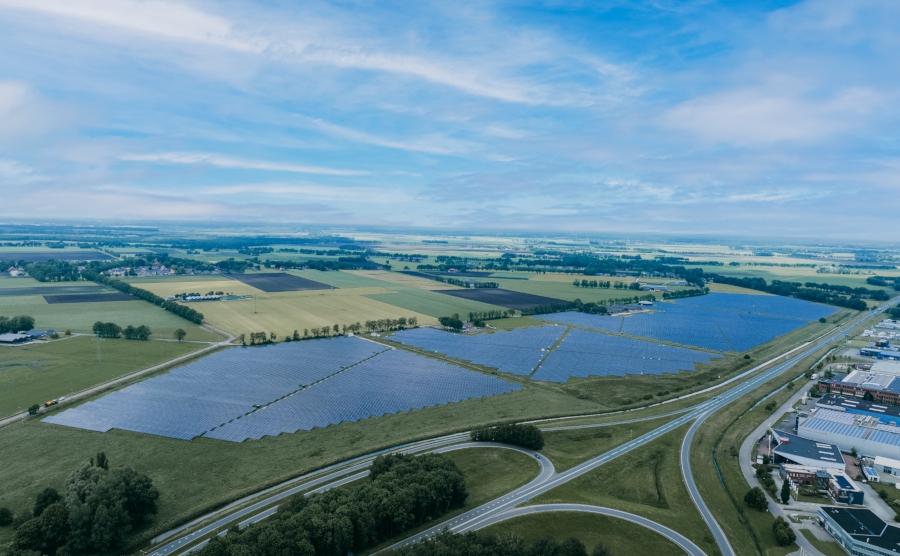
point(61, 255)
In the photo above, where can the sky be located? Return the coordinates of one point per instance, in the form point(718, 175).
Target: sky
point(740, 118)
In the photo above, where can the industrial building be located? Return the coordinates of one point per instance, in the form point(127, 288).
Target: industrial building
point(887, 414)
point(793, 449)
point(859, 531)
point(799, 474)
point(887, 466)
point(866, 434)
point(11, 338)
point(871, 385)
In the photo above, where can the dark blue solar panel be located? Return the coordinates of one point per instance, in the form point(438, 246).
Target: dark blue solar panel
point(393, 382)
point(774, 305)
point(518, 351)
point(218, 388)
point(582, 354)
point(720, 322)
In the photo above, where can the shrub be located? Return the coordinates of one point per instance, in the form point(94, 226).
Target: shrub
point(6, 517)
point(756, 499)
point(784, 535)
point(527, 436)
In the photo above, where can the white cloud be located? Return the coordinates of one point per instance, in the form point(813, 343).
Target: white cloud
point(434, 144)
point(237, 163)
point(771, 114)
point(14, 172)
point(171, 20)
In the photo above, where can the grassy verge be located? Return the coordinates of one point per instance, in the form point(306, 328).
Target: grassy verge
point(647, 482)
point(828, 548)
point(749, 531)
point(569, 448)
point(489, 472)
point(40, 372)
point(198, 476)
point(622, 537)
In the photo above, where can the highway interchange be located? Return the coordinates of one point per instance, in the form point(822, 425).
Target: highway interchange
point(508, 505)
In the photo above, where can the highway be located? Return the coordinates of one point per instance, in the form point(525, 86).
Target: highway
point(548, 479)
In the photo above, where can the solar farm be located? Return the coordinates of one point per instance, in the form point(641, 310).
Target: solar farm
point(518, 351)
point(717, 321)
point(245, 393)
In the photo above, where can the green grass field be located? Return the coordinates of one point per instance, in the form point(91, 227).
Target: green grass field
point(80, 317)
point(569, 448)
point(828, 548)
point(647, 482)
point(622, 537)
point(42, 371)
point(202, 474)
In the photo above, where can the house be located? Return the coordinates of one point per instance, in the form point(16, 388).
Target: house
point(799, 474)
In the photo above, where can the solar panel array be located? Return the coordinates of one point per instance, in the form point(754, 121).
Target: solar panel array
point(393, 382)
point(582, 354)
point(835, 428)
point(300, 385)
point(721, 324)
point(774, 305)
point(885, 437)
point(213, 390)
point(518, 351)
point(835, 416)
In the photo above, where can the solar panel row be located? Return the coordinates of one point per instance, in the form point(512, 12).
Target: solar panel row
point(203, 394)
point(393, 382)
point(719, 324)
point(582, 354)
point(216, 395)
point(518, 351)
point(835, 416)
point(835, 428)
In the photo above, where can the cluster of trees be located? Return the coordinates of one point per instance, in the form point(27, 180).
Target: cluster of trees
point(98, 509)
point(329, 331)
point(402, 492)
point(526, 436)
point(182, 311)
point(478, 317)
point(466, 283)
point(112, 330)
point(449, 544)
point(894, 312)
point(756, 499)
point(53, 271)
point(764, 476)
point(685, 293)
point(595, 307)
point(794, 289)
point(21, 323)
point(784, 535)
point(877, 295)
point(452, 322)
point(883, 281)
point(595, 284)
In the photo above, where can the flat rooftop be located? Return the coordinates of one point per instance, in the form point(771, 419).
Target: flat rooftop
point(836, 402)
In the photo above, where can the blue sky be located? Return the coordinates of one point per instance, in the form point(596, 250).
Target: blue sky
point(738, 118)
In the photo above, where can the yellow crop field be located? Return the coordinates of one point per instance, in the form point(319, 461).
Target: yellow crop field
point(175, 286)
point(285, 312)
point(403, 279)
point(727, 288)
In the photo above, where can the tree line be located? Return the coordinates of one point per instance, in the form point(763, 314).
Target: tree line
point(877, 295)
point(477, 318)
point(21, 323)
point(124, 287)
point(526, 436)
point(883, 281)
point(94, 514)
point(466, 284)
point(401, 492)
point(679, 294)
point(508, 544)
point(257, 338)
point(112, 330)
